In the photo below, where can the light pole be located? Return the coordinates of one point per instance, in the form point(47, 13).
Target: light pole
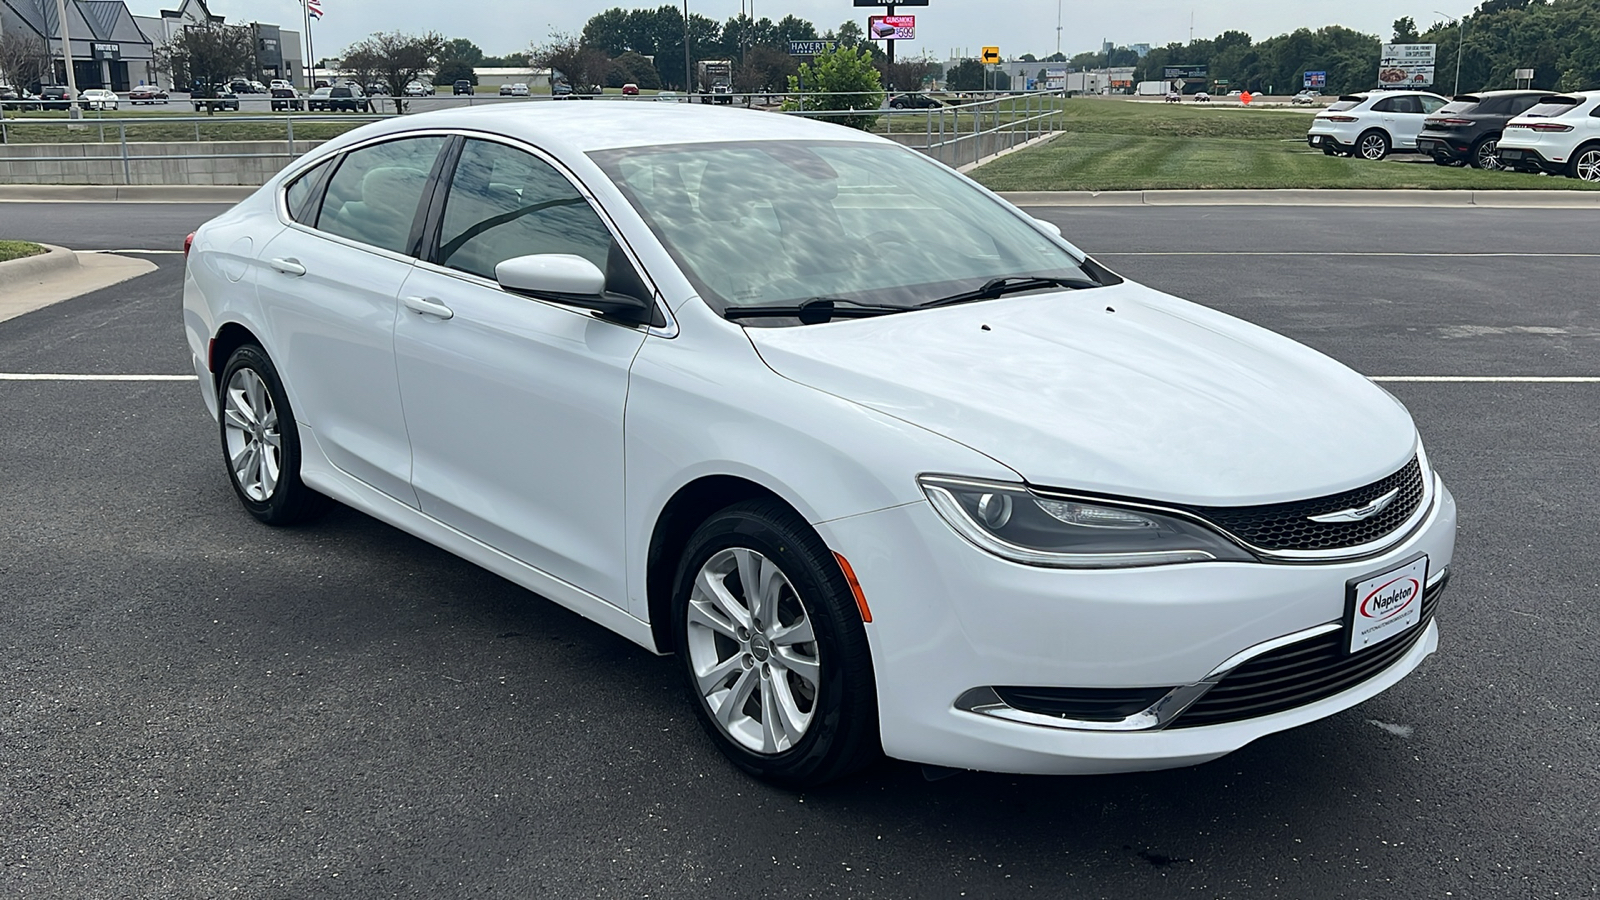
point(73, 112)
point(1461, 41)
point(688, 85)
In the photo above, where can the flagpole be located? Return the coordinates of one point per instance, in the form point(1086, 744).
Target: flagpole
point(311, 47)
point(305, 14)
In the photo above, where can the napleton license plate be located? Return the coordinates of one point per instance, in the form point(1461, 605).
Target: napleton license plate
point(1384, 606)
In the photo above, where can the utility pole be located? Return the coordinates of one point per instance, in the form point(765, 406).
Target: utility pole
point(688, 83)
point(73, 112)
point(1058, 27)
point(1461, 41)
point(890, 42)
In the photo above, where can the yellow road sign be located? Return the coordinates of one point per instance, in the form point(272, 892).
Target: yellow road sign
point(991, 54)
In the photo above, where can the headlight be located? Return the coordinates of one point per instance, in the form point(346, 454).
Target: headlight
point(1013, 523)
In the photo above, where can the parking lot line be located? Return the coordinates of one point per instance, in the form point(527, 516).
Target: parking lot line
point(1343, 254)
point(57, 376)
point(1492, 379)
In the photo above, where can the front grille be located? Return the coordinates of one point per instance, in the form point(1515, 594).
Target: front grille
point(1083, 704)
point(1288, 526)
point(1301, 673)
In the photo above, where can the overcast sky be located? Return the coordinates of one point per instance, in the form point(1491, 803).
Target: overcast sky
point(1016, 26)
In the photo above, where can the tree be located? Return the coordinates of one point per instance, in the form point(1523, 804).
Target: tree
point(398, 59)
point(632, 68)
point(210, 53)
point(966, 76)
point(24, 59)
point(361, 65)
point(764, 70)
point(839, 79)
point(569, 60)
point(456, 61)
point(850, 34)
point(1405, 30)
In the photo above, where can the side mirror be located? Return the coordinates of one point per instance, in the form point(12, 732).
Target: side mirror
point(571, 280)
point(1051, 227)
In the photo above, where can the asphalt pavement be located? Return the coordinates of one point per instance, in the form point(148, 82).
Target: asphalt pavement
point(194, 705)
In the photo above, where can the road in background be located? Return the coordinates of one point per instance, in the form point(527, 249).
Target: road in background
point(192, 704)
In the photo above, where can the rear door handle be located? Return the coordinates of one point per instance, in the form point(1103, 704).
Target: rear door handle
point(428, 307)
point(288, 266)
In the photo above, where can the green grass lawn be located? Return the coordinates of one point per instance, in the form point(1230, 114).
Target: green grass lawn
point(10, 250)
point(1113, 145)
point(158, 127)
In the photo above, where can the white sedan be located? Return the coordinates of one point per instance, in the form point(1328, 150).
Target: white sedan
point(888, 464)
point(98, 98)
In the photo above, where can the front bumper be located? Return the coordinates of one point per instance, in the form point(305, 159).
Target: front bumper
point(949, 618)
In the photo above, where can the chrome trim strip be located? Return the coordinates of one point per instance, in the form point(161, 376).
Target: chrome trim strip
point(1249, 653)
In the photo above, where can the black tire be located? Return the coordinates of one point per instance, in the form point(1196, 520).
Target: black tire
point(1483, 153)
point(1328, 150)
point(289, 501)
point(842, 735)
point(1372, 145)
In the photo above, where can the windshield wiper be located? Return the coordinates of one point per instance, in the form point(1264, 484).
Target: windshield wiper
point(999, 287)
point(814, 311)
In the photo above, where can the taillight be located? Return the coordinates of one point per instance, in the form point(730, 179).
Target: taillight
point(1447, 122)
point(1340, 118)
point(187, 243)
point(1550, 126)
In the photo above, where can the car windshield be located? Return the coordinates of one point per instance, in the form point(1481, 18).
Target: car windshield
point(779, 222)
point(1551, 107)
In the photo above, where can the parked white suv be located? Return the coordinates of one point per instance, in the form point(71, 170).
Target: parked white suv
point(1559, 135)
point(1373, 124)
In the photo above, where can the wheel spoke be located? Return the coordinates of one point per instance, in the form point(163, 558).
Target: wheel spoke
point(735, 699)
point(712, 679)
point(236, 417)
point(707, 615)
point(257, 396)
point(798, 633)
point(239, 405)
point(269, 472)
point(790, 717)
point(804, 666)
point(709, 587)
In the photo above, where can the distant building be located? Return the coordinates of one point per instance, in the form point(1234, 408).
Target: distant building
point(1141, 50)
point(278, 51)
point(108, 49)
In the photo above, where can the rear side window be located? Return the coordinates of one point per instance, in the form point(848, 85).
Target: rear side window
point(1551, 107)
point(1430, 105)
point(374, 195)
point(504, 203)
point(297, 197)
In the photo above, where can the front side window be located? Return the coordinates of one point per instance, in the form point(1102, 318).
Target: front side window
point(1430, 105)
point(374, 195)
point(504, 202)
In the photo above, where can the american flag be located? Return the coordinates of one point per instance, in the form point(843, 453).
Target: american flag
point(314, 8)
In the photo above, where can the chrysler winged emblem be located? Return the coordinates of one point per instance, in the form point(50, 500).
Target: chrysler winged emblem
point(1359, 513)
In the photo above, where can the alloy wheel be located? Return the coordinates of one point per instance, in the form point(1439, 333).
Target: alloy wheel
point(250, 425)
point(753, 651)
point(1587, 165)
point(1373, 146)
point(1487, 157)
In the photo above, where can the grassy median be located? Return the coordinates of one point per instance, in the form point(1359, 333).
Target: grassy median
point(10, 250)
point(1112, 145)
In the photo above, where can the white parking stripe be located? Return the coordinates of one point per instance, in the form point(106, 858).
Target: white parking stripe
point(1492, 379)
point(1352, 253)
point(41, 376)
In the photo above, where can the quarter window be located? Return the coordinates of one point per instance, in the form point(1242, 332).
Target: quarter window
point(1430, 105)
point(299, 193)
point(374, 195)
point(505, 203)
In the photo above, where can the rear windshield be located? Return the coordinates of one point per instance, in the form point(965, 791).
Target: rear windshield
point(1460, 104)
point(1550, 107)
point(1344, 103)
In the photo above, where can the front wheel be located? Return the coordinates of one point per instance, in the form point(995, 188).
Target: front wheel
point(773, 647)
point(1373, 145)
point(1586, 164)
point(261, 442)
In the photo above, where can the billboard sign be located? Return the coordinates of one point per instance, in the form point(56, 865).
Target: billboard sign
point(1406, 65)
point(892, 28)
point(811, 48)
point(1315, 80)
point(1055, 79)
point(1186, 73)
point(891, 2)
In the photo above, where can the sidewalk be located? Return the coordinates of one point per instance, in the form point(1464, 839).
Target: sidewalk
point(61, 274)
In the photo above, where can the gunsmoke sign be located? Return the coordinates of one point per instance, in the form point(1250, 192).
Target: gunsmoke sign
point(1406, 65)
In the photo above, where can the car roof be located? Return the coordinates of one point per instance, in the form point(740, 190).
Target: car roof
point(580, 128)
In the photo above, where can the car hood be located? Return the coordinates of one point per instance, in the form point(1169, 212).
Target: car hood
point(1118, 390)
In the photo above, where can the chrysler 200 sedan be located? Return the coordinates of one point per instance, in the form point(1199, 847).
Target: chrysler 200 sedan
point(890, 466)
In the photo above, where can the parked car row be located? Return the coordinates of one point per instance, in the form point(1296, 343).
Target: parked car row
point(1529, 131)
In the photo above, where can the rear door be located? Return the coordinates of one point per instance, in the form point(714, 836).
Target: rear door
point(328, 290)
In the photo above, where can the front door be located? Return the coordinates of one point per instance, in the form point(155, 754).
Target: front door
point(515, 405)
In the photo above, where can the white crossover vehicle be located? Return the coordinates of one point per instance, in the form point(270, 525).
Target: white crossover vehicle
point(1373, 125)
point(1559, 135)
point(888, 464)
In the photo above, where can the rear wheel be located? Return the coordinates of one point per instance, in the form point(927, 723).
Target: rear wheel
point(1485, 156)
point(1328, 150)
point(1373, 145)
point(1586, 163)
point(773, 647)
point(261, 442)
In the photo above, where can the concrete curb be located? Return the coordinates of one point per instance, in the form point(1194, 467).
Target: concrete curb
point(37, 268)
point(71, 275)
point(133, 193)
point(1393, 198)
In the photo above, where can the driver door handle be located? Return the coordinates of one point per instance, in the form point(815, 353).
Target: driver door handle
point(429, 307)
point(288, 266)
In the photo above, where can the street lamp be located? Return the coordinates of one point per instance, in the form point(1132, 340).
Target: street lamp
point(1461, 41)
point(688, 85)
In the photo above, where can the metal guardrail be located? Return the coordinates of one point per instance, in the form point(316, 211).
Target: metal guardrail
point(955, 134)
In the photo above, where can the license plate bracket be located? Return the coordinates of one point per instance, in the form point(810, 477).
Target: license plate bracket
point(1382, 606)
